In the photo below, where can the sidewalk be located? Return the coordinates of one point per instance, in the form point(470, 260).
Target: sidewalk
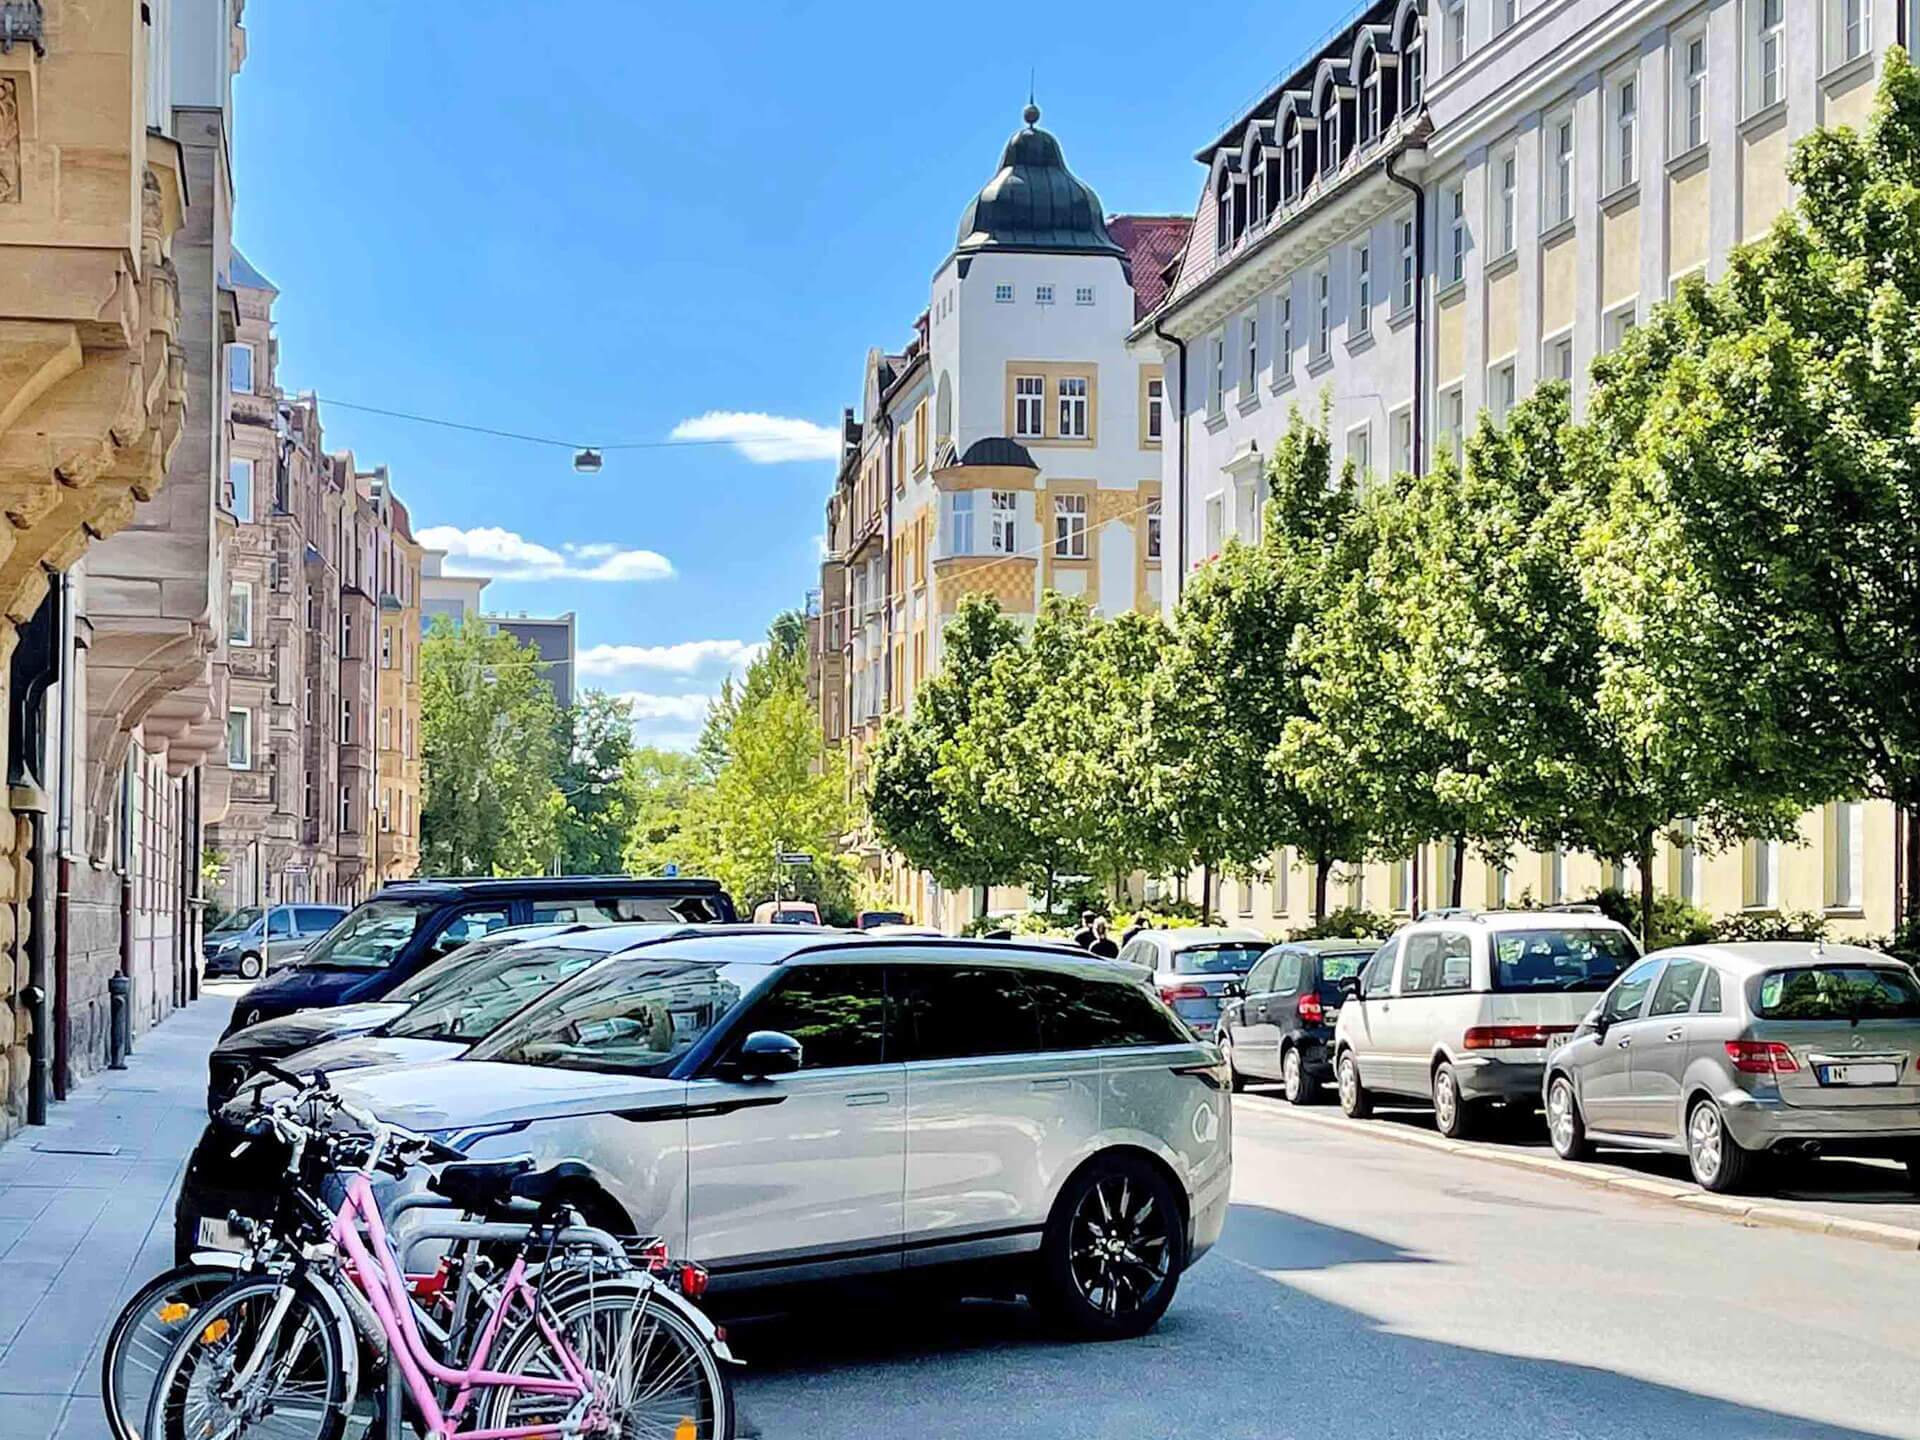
point(86, 1215)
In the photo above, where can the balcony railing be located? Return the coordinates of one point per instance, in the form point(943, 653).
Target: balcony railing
point(22, 20)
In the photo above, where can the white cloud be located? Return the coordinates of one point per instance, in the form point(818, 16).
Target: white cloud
point(686, 658)
point(503, 555)
point(763, 439)
point(684, 708)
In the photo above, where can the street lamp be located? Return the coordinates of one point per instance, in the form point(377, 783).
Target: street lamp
point(587, 462)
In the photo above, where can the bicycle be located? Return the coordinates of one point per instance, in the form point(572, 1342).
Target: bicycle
point(588, 1344)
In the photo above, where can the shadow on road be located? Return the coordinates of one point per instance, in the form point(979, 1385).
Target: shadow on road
point(1244, 1352)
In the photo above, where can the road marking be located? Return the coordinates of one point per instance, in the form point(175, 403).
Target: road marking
point(1741, 1211)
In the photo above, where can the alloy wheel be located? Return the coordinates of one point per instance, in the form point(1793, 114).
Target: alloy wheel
point(1560, 1116)
point(1348, 1080)
point(1704, 1140)
point(1446, 1103)
point(1119, 1246)
point(1295, 1077)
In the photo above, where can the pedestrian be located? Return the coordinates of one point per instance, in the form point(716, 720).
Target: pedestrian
point(1083, 937)
point(1103, 945)
point(1141, 924)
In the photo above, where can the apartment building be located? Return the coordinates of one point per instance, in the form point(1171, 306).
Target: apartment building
point(1445, 204)
point(397, 837)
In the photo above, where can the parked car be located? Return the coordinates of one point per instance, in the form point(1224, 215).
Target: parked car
point(1461, 1007)
point(1278, 1023)
point(1728, 1053)
point(1192, 968)
point(252, 941)
point(786, 912)
point(807, 1106)
point(867, 919)
point(408, 926)
point(240, 1053)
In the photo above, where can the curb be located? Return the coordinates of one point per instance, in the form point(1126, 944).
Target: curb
point(1740, 1211)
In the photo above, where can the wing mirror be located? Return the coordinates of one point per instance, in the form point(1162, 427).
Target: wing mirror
point(1349, 987)
point(767, 1053)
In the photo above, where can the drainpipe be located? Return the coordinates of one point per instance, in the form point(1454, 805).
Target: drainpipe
point(63, 847)
point(1180, 487)
point(1419, 309)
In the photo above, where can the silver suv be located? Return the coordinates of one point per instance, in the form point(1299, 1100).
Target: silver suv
point(814, 1105)
point(1725, 1052)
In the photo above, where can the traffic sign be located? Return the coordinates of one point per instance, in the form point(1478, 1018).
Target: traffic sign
point(670, 870)
point(794, 857)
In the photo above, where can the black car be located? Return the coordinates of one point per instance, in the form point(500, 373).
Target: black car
point(410, 925)
point(1278, 1023)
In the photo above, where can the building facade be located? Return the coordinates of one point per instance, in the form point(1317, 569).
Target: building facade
point(1444, 205)
point(454, 597)
point(553, 640)
point(397, 836)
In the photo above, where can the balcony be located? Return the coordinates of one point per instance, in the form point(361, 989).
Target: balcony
point(21, 23)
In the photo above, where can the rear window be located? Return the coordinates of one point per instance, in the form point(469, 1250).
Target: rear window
point(1573, 959)
point(1231, 959)
point(1335, 968)
point(1838, 992)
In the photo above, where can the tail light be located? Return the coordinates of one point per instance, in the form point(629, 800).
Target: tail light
point(1513, 1037)
point(693, 1280)
point(1310, 1010)
point(1171, 993)
point(1761, 1057)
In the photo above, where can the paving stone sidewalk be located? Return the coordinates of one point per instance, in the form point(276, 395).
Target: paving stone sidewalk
point(86, 1215)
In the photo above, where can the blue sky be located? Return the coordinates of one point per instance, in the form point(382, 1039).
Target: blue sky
point(601, 220)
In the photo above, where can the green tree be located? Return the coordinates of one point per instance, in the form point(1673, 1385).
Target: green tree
point(595, 743)
point(489, 750)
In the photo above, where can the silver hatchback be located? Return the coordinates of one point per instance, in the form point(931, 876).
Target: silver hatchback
point(1725, 1053)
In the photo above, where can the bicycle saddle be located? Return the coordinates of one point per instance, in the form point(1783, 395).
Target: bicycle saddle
point(491, 1186)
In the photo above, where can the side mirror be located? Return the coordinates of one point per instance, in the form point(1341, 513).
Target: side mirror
point(1350, 987)
point(767, 1053)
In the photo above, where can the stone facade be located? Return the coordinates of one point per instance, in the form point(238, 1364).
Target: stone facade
point(397, 838)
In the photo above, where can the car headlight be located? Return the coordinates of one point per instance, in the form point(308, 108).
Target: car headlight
point(464, 1137)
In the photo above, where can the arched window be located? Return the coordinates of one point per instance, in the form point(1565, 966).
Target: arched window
point(1330, 137)
point(1371, 114)
point(1413, 63)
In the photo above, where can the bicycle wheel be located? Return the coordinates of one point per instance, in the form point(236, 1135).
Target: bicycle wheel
point(657, 1377)
point(229, 1376)
point(144, 1333)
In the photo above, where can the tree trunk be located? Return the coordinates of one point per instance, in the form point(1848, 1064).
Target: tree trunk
point(1417, 862)
point(1459, 870)
point(1322, 868)
point(1646, 888)
point(1907, 848)
point(1206, 892)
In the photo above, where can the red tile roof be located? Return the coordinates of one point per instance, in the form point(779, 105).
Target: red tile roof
point(1151, 242)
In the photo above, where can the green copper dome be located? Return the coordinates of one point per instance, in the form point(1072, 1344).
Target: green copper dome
point(1035, 203)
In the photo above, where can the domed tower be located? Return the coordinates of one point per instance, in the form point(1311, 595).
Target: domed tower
point(1034, 203)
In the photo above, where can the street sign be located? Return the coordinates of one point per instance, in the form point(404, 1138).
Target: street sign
point(794, 857)
point(670, 871)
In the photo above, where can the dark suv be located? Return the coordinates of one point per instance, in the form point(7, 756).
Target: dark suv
point(408, 926)
point(1279, 1024)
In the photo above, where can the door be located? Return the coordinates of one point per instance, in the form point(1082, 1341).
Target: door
point(1658, 1056)
point(788, 1171)
point(280, 935)
point(1256, 1041)
point(1408, 1039)
point(998, 1106)
point(1605, 1057)
point(1372, 1012)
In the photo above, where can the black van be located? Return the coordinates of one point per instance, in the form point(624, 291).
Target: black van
point(413, 923)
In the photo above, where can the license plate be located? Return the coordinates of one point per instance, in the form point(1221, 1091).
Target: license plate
point(217, 1234)
point(1877, 1072)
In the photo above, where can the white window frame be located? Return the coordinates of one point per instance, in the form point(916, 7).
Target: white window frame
point(960, 522)
point(1409, 264)
point(1360, 449)
point(1505, 196)
point(1214, 512)
point(1557, 174)
point(1156, 407)
point(1692, 59)
point(1074, 393)
point(1250, 354)
point(1506, 15)
point(1363, 288)
point(1454, 199)
point(1616, 322)
point(1029, 407)
point(1070, 527)
point(1452, 416)
point(1004, 524)
point(1454, 31)
point(1283, 336)
point(244, 760)
point(1217, 378)
point(346, 807)
point(242, 492)
point(1083, 295)
point(1155, 535)
point(1765, 46)
point(1848, 27)
point(1043, 294)
point(1322, 283)
point(1400, 440)
point(1623, 132)
point(240, 632)
point(241, 355)
point(1502, 388)
point(1552, 349)
point(346, 720)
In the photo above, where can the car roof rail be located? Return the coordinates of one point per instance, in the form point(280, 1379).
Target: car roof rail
point(1451, 912)
point(1575, 907)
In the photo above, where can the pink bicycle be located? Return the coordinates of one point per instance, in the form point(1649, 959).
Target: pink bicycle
point(588, 1344)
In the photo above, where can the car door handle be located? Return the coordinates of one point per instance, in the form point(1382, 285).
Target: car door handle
point(1624, 1042)
point(869, 1097)
point(1058, 1083)
point(1679, 1032)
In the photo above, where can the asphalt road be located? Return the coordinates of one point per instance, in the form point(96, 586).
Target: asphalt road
point(1365, 1288)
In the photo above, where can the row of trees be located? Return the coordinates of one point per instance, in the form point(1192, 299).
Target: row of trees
point(1697, 605)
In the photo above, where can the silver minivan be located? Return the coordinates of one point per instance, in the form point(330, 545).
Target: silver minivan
point(253, 941)
point(1728, 1052)
point(1461, 1007)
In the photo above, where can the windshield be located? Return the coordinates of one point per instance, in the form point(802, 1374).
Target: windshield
point(1232, 958)
point(634, 1018)
point(1838, 992)
point(1573, 959)
point(472, 1003)
point(370, 936)
point(241, 919)
point(423, 983)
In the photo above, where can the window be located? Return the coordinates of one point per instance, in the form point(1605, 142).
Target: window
point(1626, 113)
point(1500, 389)
point(240, 613)
point(1409, 258)
point(1216, 521)
point(1153, 529)
point(1710, 993)
point(1557, 362)
point(240, 482)
point(1360, 449)
point(1377, 979)
point(1456, 33)
point(1762, 864)
point(1693, 91)
point(1849, 30)
point(346, 636)
point(346, 721)
point(1400, 442)
point(1506, 226)
point(1029, 406)
point(1453, 420)
point(1001, 540)
point(949, 1013)
point(1322, 312)
point(1250, 355)
point(960, 522)
point(386, 647)
point(1456, 213)
point(1616, 325)
point(1217, 379)
point(1506, 14)
point(1363, 289)
point(1845, 853)
point(1073, 407)
point(1277, 891)
point(1415, 66)
point(1626, 998)
point(239, 739)
point(1768, 21)
point(1674, 994)
point(1559, 206)
point(240, 369)
point(1436, 962)
point(1070, 527)
point(386, 727)
point(836, 1012)
point(1003, 294)
point(1283, 349)
point(1244, 889)
point(1370, 112)
point(386, 808)
point(1043, 294)
point(1083, 295)
point(1156, 401)
point(1077, 1013)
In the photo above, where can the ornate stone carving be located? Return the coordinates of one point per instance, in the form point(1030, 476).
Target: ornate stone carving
point(9, 141)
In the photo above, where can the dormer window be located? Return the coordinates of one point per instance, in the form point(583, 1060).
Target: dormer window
point(1370, 109)
point(1330, 134)
point(1296, 162)
point(1223, 213)
point(1413, 67)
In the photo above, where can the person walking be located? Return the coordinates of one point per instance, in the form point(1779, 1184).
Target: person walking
point(1141, 924)
point(1102, 944)
point(1083, 937)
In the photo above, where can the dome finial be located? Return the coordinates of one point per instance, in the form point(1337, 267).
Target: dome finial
point(1032, 113)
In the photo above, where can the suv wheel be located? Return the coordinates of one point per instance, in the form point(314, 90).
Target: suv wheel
point(1453, 1114)
point(1355, 1102)
point(1236, 1082)
point(251, 966)
point(1293, 1071)
point(1113, 1251)
point(1565, 1128)
point(1720, 1162)
point(1910, 1157)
